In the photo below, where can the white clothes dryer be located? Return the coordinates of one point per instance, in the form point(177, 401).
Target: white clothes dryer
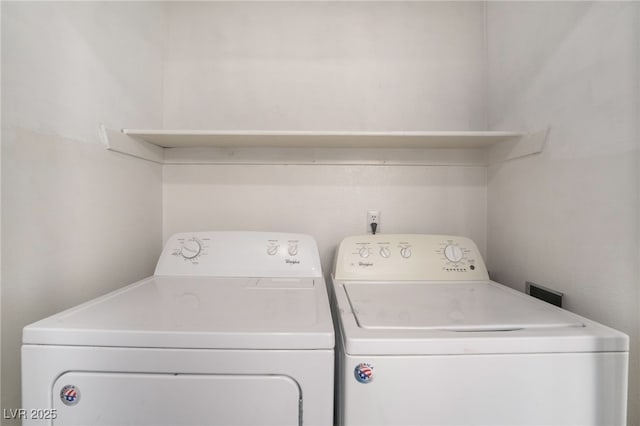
point(234, 328)
point(425, 338)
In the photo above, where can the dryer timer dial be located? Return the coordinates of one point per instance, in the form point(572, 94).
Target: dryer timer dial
point(190, 249)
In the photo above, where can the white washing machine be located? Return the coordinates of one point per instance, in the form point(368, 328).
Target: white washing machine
point(234, 328)
point(425, 338)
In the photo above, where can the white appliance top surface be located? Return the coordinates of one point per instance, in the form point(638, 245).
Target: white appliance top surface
point(420, 294)
point(449, 306)
point(466, 317)
point(198, 312)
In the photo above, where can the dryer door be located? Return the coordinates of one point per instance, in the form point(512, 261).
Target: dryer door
point(95, 398)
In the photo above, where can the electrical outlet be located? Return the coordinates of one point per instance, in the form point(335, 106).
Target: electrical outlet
point(373, 216)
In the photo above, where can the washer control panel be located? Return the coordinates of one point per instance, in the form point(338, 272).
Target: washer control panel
point(409, 257)
point(240, 254)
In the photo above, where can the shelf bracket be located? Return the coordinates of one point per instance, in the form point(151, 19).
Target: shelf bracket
point(524, 146)
point(124, 144)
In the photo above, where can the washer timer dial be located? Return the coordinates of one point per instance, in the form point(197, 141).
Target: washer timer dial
point(453, 253)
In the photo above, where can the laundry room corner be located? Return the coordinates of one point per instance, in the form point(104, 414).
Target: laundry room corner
point(564, 218)
point(81, 220)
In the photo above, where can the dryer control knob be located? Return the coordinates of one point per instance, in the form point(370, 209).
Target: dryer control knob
point(272, 249)
point(405, 252)
point(385, 252)
point(453, 253)
point(364, 252)
point(293, 249)
point(190, 249)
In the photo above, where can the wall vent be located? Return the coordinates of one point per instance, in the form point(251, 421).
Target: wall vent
point(544, 293)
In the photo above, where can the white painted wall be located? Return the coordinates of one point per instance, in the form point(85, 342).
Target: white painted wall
point(569, 217)
point(80, 220)
point(328, 202)
point(325, 66)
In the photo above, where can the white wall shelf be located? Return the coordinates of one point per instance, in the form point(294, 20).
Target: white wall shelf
point(302, 139)
point(322, 147)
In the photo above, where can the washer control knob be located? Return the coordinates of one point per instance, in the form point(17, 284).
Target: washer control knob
point(405, 252)
point(453, 253)
point(364, 252)
point(272, 249)
point(293, 249)
point(190, 249)
point(385, 252)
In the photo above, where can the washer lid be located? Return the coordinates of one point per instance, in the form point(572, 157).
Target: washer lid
point(445, 318)
point(450, 306)
point(197, 312)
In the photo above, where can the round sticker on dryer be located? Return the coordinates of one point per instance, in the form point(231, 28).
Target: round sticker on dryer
point(363, 372)
point(70, 395)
